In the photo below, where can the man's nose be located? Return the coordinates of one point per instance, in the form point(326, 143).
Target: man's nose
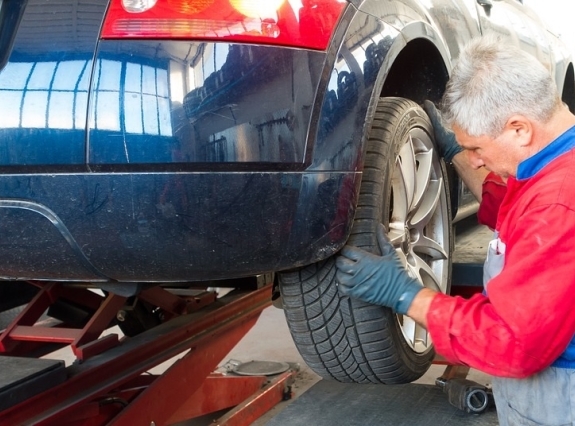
point(475, 160)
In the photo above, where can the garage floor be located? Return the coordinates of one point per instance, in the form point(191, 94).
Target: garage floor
point(319, 402)
point(328, 404)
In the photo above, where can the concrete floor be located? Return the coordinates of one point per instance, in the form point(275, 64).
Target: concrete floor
point(270, 340)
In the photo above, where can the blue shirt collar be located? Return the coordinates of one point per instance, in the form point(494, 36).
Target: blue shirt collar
point(534, 164)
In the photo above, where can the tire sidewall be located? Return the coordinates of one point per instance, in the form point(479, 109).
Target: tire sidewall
point(412, 116)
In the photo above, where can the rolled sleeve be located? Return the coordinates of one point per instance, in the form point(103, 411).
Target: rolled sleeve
point(438, 324)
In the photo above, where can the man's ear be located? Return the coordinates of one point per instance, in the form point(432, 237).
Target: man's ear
point(521, 129)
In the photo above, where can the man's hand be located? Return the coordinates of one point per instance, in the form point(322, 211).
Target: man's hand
point(380, 280)
point(444, 138)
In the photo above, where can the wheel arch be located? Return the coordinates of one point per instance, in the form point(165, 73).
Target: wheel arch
point(417, 66)
point(417, 73)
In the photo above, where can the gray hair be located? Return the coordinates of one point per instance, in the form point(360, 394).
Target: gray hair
point(493, 81)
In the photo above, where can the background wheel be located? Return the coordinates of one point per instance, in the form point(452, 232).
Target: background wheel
point(404, 187)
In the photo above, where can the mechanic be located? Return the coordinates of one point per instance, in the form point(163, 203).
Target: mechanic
point(518, 141)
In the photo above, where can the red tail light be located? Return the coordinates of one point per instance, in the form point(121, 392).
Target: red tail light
point(298, 23)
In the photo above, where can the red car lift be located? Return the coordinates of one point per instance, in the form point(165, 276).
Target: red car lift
point(108, 383)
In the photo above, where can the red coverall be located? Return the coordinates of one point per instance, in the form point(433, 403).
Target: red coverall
point(527, 320)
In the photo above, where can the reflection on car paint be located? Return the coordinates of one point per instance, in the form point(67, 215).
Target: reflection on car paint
point(47, 99)
point(44, 86)
point(207, 103)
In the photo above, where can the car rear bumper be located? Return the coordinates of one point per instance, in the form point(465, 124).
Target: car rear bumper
point(152, 227)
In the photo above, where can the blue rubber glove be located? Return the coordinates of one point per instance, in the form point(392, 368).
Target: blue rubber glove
point(444, 138)
point(381, 280)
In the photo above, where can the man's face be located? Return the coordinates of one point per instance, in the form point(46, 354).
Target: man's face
point(498, 155)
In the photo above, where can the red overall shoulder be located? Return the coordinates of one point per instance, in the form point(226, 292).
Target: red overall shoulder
point(554, 185)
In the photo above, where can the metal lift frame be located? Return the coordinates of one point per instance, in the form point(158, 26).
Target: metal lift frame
point(110, 384)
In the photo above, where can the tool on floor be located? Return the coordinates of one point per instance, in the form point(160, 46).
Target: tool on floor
point(462, 393)
point(466, 395)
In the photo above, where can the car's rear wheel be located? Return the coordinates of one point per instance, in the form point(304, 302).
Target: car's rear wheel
point(404, 187)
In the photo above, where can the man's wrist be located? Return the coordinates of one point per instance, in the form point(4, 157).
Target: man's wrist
point(407, 296)
point(420, 306)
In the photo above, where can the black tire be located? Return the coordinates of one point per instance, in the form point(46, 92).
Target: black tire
point(343, 338)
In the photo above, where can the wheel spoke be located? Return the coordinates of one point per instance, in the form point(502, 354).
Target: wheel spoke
point(403, 259)
point(423, 176)
point(408, 169)
point(429, 247)
point(414, 333)
point(428, 204)
point(400, 196)
point(408, 326)
point(425, 274)
point(396, 236)
point(421, 336)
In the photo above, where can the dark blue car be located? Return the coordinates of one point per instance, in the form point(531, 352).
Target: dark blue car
point(175, 141)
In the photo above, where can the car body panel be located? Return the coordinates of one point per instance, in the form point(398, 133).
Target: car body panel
point(186, 160)
point(155, 222)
